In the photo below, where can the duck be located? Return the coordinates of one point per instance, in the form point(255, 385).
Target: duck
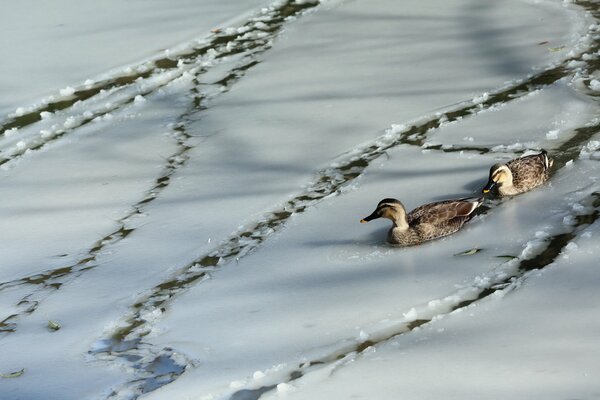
point(426, 222)
point(519, 175)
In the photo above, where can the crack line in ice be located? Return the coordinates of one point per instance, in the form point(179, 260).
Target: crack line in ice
point(249, 37)
point(49, 281)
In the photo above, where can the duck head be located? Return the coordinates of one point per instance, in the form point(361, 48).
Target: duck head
point(500, 175)
point(391, 209)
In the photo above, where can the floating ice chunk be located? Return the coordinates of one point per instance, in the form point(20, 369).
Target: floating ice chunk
point(569, 220)
point(363, 335)
point(593, 145)
point(258, 375)
point(45, 114)
point(88, 83)
point(284, 387)
point(71, 122)
point(552, 135)
point(532, 248)
point(411, 315)
point(139, 99)
point(396, 128)
point(261, 25)
point(579, 208)
point(20, 111)
point(237, 384)
point(480, 99)
point(21, 145)
point(482, 281)
point(569, 163)
point(595, 85)
point(45, 134)
point(575, 64)
point(590, 150)
point(10, 132)
point(572, 246)
point(434, 304)
point(68, 91)
point(541, 234)
point(469, 139)
point(151, 316)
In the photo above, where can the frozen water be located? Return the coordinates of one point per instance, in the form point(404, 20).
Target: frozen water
point(207, 220)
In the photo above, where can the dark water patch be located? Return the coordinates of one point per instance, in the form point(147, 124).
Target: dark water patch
point(6, 326)
point(570, 149)
point(166, 63)
point(34, 116)
point(251, 394)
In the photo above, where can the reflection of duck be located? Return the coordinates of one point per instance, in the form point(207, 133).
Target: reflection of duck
point(519, 175)
point(426, 222)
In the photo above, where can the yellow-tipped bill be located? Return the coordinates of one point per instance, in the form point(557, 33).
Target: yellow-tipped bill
point(489, 186)
point(371, 217)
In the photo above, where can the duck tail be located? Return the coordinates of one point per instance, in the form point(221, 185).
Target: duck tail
point(547, 160)
point(470, 204)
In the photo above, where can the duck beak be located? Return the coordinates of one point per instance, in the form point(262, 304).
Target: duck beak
point(490, 185)
point(370, 217)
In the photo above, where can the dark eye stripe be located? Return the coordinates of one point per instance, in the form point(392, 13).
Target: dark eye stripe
point(384, 205)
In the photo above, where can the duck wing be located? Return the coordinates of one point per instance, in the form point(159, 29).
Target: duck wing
point(441, 212)
point(530, 170)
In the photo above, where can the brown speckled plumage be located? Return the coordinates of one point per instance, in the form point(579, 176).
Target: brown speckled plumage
point(426, 222)
point(520, 175)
